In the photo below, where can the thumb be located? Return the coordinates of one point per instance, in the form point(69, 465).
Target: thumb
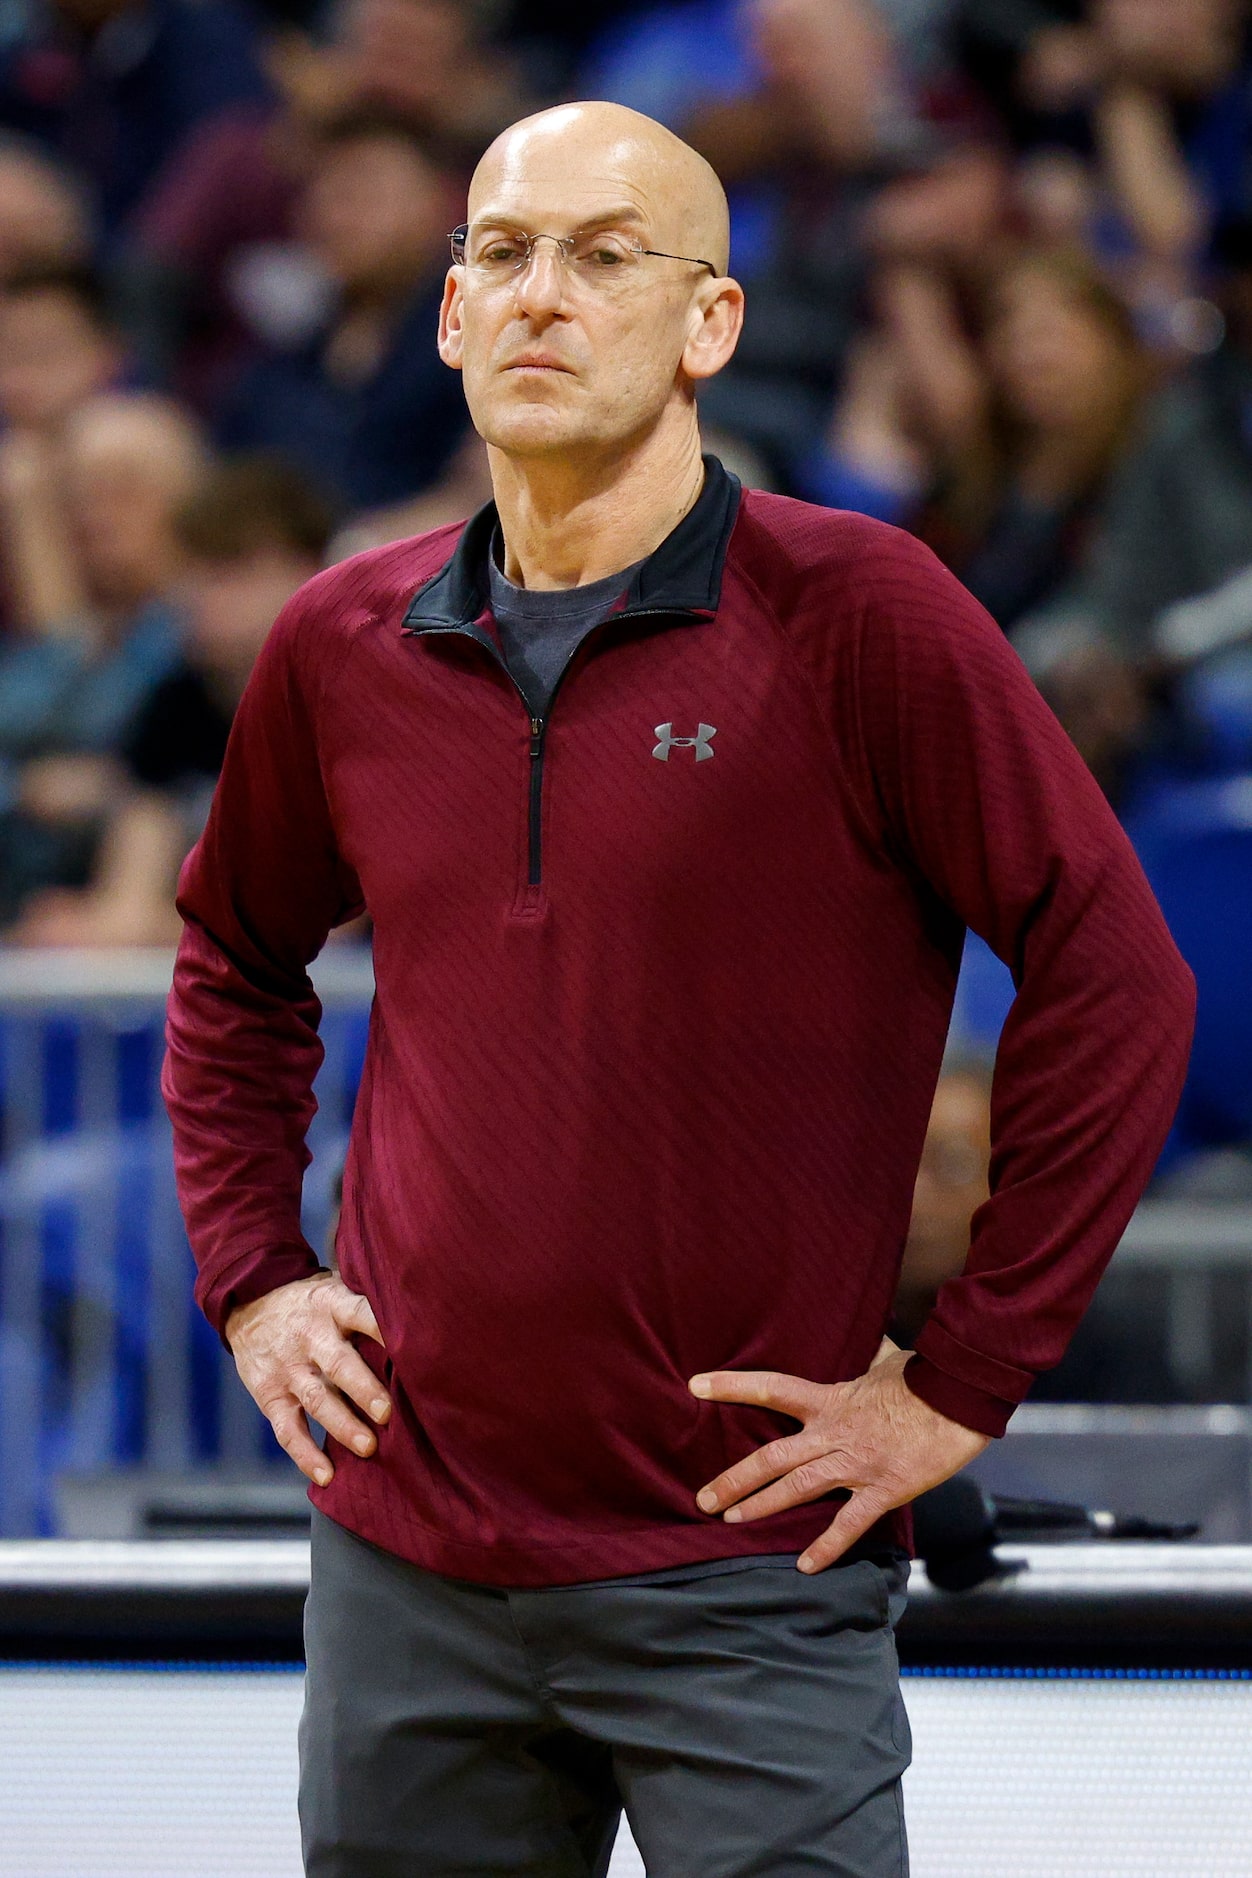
point(353, 1312)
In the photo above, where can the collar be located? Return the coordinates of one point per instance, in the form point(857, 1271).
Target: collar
point(683, 575)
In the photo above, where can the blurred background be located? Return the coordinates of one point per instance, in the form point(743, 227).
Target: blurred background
point(998, 256)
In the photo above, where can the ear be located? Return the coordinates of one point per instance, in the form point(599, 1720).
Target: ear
point(451, 332)
point(713, 331)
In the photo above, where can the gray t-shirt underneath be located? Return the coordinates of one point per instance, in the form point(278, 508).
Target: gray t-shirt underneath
point(540, 627)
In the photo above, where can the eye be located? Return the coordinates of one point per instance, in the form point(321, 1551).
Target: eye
point(600, 253)
point(499, 253)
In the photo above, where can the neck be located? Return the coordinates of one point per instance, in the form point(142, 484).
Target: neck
point(572, 520)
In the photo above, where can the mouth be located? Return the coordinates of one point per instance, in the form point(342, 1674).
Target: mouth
point(536, 362)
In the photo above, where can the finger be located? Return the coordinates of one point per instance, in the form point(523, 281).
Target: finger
point(851, 1523)
point(327, 1406)
point(804, 1483)
point(351, 1375)
point(765, 1388)
point(353, 1312)
point(292, 1433)
point(758, 1469)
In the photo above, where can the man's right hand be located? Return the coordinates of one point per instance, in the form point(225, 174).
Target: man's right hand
point(292, 1350)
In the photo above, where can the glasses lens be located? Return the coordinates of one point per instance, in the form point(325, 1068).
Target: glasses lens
point(604, 261)
point(496, 256)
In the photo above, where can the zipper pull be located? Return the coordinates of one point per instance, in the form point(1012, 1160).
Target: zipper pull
point(536, 732)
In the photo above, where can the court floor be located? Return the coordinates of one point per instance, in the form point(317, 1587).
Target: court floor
point(190, 1773)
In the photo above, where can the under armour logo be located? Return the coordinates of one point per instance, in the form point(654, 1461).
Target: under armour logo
point(699, 743)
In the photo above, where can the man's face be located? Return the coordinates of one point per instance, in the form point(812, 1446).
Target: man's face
point(51, 358)
point(374, 212)
point(1186, 47)
point(40, 219)
point(120, 509)
point(554, 362)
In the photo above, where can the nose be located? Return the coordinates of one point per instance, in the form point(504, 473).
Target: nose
point(541, 279)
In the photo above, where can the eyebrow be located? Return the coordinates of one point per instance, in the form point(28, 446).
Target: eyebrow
point(607, 218)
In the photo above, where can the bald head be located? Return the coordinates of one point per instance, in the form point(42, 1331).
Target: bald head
point(576, 156)
point(151, 436)
point(132, 459)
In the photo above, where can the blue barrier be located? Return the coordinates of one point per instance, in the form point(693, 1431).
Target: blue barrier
point(104, 1360)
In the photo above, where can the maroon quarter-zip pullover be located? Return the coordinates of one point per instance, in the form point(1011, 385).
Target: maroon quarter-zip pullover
point(663, 983)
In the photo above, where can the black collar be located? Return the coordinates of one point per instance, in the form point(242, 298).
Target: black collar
point(683, 575)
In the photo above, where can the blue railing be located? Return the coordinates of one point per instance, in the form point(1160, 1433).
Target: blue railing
point(105, 1363)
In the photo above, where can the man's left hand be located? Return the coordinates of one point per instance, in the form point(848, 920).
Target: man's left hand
point(872, 1436)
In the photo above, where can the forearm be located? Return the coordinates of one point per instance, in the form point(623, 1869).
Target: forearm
point(238, 1085)
point(49, 597)
point(1148, 174)
point(937, 366)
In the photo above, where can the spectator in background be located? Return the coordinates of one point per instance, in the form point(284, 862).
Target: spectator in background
point(1003, 447)
point(432, 64)
point(92, 559)
point(1128, 652)
point(930, 238)
point(770, 87)
point(213, 268)
point(58, 347)
point(1017, 429)
point(803, 107)
point(365, 407)
point(115, 86)
point(43, 216)
point(253, 531)
point(1179, 519)
point(217, 267)
point(1156, 93)
point(1025, 450)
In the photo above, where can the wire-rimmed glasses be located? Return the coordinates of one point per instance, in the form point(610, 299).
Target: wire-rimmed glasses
point(600, 259)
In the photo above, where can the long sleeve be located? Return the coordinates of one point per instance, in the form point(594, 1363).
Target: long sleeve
point(258, 895)
point(982, 794)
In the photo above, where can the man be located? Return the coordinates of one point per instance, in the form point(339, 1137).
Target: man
point(87, 519)
point(58, 347)
point(251, 533)
point(115, 87)
point(670, 803)
point(362, 404)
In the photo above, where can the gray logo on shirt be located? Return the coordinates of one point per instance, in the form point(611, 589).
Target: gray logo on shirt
point(699, 743)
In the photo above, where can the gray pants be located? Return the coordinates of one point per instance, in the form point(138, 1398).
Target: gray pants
point(750, 1721)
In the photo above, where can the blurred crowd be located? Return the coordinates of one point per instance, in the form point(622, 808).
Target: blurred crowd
point(998, 257)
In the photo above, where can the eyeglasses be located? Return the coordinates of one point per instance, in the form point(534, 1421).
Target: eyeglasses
point(606, 262)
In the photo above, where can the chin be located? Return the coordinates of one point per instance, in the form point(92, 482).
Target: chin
point(530, 430)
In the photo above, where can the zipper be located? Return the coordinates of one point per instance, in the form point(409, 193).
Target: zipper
point(539, 725)
point(534, 819)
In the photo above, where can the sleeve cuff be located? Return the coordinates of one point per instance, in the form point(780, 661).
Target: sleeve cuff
point(251, 1276)
point(973, 1408)
point(965, 1384)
